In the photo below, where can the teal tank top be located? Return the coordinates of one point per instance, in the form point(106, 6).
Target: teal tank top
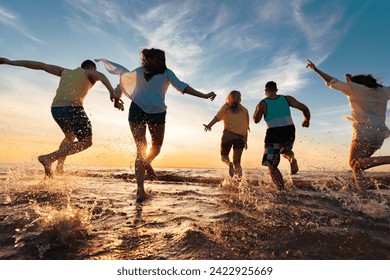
point(278, 112)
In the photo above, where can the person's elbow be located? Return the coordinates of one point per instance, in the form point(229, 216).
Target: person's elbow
point(187, 90)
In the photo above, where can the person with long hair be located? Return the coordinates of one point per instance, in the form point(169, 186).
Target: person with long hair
point(235, 133)
point(368, 101)
point(67, 107)
point(280, 134)
point(147, 88)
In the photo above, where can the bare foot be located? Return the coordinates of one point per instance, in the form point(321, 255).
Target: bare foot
point(294, 166)
point(46, 165)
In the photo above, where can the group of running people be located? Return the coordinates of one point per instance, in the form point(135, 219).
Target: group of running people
point(368, 101)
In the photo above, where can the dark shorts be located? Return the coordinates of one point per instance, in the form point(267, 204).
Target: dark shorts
point(272, 152)
point(278, 140)
point(136, 115)
point(73, 119)
point(229, 140)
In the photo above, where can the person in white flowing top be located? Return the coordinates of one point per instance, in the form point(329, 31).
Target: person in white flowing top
point(368, 101)
point(147, 86)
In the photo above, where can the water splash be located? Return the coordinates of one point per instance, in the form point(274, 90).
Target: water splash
point(191, 214)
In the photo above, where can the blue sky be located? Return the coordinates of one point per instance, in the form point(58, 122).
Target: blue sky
point(212, 45)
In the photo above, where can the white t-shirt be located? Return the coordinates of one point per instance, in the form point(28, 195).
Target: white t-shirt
point(150, 95)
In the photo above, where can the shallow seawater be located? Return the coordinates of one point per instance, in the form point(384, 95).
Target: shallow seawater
point(91, 213)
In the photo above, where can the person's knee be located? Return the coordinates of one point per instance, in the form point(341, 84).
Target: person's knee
point(87, 142)
point(225, 158)
point(156, 149)
point(70, 136)
point(353, 163)
point(356, 165)
point(288, 155)
point(272, 168)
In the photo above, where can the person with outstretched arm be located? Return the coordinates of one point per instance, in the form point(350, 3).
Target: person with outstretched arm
point(368, 100)
point(67, 107)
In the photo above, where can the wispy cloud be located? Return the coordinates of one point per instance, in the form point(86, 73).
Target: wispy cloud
point(11, 20)
point(97, 11)
point(166, 26)
point(320, 25)
point(194, 36)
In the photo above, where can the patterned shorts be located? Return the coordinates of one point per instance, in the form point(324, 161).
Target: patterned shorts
point(73, 119)
point(272, 152)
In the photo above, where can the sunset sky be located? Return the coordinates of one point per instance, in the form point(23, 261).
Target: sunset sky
point(213, 46)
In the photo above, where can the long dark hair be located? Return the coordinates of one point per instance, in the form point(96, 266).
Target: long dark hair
point(154, 62)
point(367, 80)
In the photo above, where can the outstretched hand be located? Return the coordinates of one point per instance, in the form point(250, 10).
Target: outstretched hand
point(211, 96)
point(310, 65)
point(207, 127)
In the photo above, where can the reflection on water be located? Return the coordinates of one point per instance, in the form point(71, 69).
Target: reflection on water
point(191, 214)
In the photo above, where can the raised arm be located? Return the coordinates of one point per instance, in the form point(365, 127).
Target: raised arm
point(35, 65)
point(194, 92)
point(326, 77)
point(302, 107)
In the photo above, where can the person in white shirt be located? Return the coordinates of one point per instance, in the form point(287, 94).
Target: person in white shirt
point(147, 88)
point(368, 101)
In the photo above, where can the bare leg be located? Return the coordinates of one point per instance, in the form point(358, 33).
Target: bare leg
point(226, 160)
point(237, 153)
point(143, 160)
point(293, 161)
point(139, 135)
point(69, 139)
point(63, 151)
point(360, 160)
point(359, 150)
point(157, 133)
point(276, 176)
point(366, 163)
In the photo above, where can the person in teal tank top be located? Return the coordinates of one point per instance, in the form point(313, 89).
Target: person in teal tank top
point(280, 134)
